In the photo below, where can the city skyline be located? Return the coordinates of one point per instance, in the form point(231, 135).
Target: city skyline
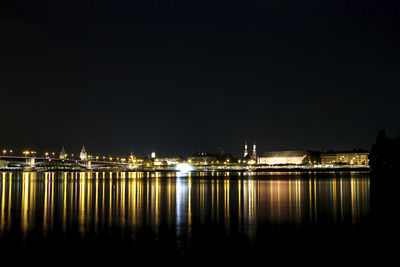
point(245, 150)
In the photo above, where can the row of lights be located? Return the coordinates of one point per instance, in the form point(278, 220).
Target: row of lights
point(224, 162)
point(27, 153)
point(47, 154)
point(5, 151)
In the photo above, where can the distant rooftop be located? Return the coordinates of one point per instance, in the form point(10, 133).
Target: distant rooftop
point(287, 153)
point(347, 151)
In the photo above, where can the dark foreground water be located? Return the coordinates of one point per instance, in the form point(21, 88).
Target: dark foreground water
point(90, 218)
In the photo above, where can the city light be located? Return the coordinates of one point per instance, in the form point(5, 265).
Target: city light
point(184, 167)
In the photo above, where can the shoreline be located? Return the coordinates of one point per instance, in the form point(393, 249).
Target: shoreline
point(200, 170)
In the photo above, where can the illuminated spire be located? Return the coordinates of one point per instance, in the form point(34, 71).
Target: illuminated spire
point(245, 149)
point(62, 153)
point(254, 150)
point(83, 154)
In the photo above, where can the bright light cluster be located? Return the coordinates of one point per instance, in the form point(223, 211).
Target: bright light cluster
point(184, 167)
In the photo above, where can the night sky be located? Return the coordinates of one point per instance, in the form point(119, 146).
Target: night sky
point(188, 76)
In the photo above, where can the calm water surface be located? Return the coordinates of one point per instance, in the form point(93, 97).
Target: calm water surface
point(179, 214)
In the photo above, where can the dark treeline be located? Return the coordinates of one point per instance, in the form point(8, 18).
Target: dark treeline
point(385, 154)
point(385, 182)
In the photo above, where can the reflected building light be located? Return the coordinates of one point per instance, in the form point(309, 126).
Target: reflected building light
point(25, 204)
point(3, 204)
point(181, 204)
point(94, 205)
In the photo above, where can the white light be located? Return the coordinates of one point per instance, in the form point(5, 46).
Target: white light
point(184, 167)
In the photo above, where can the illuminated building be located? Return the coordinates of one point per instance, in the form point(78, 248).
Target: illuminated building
point(83, 155)
point(284, 158)
point(62, 153)
point(153, 155)
point(345, 159)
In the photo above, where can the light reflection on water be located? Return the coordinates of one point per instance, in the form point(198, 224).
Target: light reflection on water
point(97, 202)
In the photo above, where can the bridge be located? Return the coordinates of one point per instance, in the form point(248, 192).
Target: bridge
point(49, 163)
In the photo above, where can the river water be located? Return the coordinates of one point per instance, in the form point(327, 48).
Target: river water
point(111, 216)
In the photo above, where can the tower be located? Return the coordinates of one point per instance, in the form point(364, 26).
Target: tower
point(245, 150)
point(62, 153)
point(153, 155)
point(83, 154)
point(254, 150)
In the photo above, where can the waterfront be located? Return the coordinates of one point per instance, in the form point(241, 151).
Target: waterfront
point(178, 214)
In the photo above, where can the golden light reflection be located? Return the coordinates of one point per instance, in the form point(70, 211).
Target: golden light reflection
point(136, 199)
point(3, 203)
point(27, 201)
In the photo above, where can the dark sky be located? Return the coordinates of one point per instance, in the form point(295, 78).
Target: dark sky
point(179, 76)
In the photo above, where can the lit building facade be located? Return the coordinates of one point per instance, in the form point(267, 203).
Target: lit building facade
point(359, 159)
point(284, 158)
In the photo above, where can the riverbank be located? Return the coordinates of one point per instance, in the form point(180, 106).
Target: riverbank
point(195, 170)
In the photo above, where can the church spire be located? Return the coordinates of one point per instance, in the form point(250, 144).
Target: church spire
point(254, 150)
point(245, 150)
point(83, 154)
point(62, 153)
